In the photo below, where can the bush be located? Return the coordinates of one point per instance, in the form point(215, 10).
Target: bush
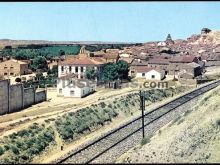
point(15, 150)
point(218, 122)
point(2, 151)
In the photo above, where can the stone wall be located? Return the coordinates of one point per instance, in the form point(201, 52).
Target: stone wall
point(29, 97)
point(4, 99)
point(40, 96)
point(14, 98)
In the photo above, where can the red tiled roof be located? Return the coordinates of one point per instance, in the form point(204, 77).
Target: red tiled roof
point(127, 59)
point(142, 69)
point(111, 56)
point(158, 61)
point(82, 61)
point(185, 58)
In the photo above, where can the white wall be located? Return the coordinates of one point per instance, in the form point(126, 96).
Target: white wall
point(148, 75)
point(67, 88)
point(154, 73)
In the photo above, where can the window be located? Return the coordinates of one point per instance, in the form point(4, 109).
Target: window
point(5, 67)
point(152, 76)
point(60, 90)
point(143, 74)
point(70, 68)
point(5, 73)
point(76, 69)
point(72, 93)
point(81, 69)
point(11, 67)
point(12, 74)
point(62, 69)
point(81, 76)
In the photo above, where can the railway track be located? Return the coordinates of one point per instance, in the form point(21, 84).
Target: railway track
point(108, 147)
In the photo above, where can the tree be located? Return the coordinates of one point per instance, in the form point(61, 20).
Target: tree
point(91, 74)
point(110, 72)
point(122, 69)
point(61, 52)
point(39, 63)
point(7, 51)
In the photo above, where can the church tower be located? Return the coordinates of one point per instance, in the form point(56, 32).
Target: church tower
point(169, 40)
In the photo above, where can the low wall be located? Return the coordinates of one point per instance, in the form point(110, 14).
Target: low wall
point(40, 96)
point(14, 98)
point(4, 99)
point(29, 97)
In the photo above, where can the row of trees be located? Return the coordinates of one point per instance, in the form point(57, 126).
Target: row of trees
point(112, 71)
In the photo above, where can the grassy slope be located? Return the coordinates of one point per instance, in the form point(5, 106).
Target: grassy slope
point(193, 137)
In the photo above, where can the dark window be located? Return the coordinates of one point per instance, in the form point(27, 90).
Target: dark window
point(5, 73)
point(76, 69)
point(81, 69)
point(153, 76)
point(11, 73)
point(5, 67)
point(81, 76)
point(72, 93)
point(62, 69)
point(70, 68)
point(11, 67)
point(143, 74)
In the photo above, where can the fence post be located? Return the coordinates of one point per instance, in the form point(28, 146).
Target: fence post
point(142, 106)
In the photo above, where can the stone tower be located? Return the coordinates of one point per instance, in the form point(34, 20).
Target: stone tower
point(169, 40)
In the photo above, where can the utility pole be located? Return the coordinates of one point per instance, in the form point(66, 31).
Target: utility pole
point(142, 107)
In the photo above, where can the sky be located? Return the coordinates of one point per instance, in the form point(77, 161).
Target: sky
point(106, 21)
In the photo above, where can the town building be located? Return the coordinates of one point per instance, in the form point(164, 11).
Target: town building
point(13, 67)
point(149, 73)
point(159, 63)
point(178, 62)
point(134, 64)
point(79, 63)
point(70, 86)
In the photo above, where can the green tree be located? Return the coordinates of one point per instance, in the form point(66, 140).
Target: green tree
point(122, 69)
point(61, 52)
point(91, 74)
point(7, 51)
point(39, 63)
point(110, 72)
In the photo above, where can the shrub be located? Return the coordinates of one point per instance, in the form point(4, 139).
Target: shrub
point(102, 104)
point(1, 150)
point(218, 122)
point(15, 150)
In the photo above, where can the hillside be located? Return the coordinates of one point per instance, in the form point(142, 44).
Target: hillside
point(9, 42)
point(192, 138)
point(212, 37)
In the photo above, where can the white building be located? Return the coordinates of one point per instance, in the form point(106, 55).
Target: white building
point(149, 73)
point(71, 86)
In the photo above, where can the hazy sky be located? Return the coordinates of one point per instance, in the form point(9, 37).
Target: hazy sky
point(106, 21)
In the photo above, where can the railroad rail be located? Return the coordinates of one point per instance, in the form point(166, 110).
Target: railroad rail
point(110, 145)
